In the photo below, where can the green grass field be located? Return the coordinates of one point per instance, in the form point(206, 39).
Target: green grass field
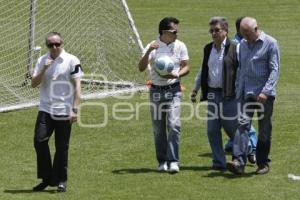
point(118, 160)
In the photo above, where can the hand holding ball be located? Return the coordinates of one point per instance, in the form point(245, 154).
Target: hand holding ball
point(164, 65)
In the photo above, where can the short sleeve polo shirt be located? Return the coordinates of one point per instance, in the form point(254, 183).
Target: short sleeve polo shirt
point(177, 51)
point(57, 89)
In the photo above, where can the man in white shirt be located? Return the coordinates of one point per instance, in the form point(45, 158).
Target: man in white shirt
point(58, 73)
point(165, 92)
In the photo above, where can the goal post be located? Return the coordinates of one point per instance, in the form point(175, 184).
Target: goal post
point(102, 34)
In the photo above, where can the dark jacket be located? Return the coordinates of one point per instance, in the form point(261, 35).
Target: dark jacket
point(230, 65)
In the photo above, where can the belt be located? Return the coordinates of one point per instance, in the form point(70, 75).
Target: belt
point(215, 89)
point(165, 87)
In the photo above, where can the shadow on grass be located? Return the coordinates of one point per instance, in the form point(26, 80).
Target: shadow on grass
point(28, 191)
point(148, 170)
point(214, 173)
point(227, 174)
point(195, 168)
point(135, 171)
point(207, 155)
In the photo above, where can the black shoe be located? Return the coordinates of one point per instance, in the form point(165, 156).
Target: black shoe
point(53, 183)
point(252, 158)
point(235, 167)
point(62, 187)
point(228, 149)
point(41, 186)
point(229, 146)
point(218, 168)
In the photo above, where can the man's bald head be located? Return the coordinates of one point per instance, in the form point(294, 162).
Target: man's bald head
point(249, 22)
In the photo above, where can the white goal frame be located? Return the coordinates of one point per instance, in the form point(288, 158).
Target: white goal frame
point(126, 86)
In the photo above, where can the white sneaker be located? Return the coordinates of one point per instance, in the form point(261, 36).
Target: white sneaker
point(163, 167)
point(174, 168)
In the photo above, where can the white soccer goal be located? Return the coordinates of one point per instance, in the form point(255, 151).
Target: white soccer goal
point(101, 33)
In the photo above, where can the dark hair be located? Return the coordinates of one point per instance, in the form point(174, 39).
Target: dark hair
point(50, 34)
point(165, 24)
point(238, 23)
point(219, 20)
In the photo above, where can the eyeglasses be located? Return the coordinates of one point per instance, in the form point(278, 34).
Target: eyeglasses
point(172, 31)
point(216, 30)
point(51, 45)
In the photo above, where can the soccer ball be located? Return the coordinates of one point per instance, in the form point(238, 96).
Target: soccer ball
point(164, 65)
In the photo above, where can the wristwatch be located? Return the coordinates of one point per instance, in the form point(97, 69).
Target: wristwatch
point(75, 110)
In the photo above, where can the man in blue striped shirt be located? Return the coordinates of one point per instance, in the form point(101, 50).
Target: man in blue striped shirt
point(252, 133)
point(258, 73)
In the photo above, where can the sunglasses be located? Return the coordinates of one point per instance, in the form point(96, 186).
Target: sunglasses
point(172, 31)
point(216, 30)
point(51, 45)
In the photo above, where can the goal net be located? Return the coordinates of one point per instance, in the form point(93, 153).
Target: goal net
point(101, 33)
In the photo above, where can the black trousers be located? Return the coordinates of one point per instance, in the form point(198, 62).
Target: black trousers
point(241, 139)
point(44, 128)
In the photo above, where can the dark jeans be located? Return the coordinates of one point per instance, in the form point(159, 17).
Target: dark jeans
point(222, 113)
point(241, 139)
point(44, 127)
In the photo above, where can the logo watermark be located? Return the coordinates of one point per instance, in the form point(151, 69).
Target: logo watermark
point(159, 104)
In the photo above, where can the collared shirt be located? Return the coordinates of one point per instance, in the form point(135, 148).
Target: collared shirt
point(177, 51)
point(258, 71)
point(56, 89)
point(215, 66)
